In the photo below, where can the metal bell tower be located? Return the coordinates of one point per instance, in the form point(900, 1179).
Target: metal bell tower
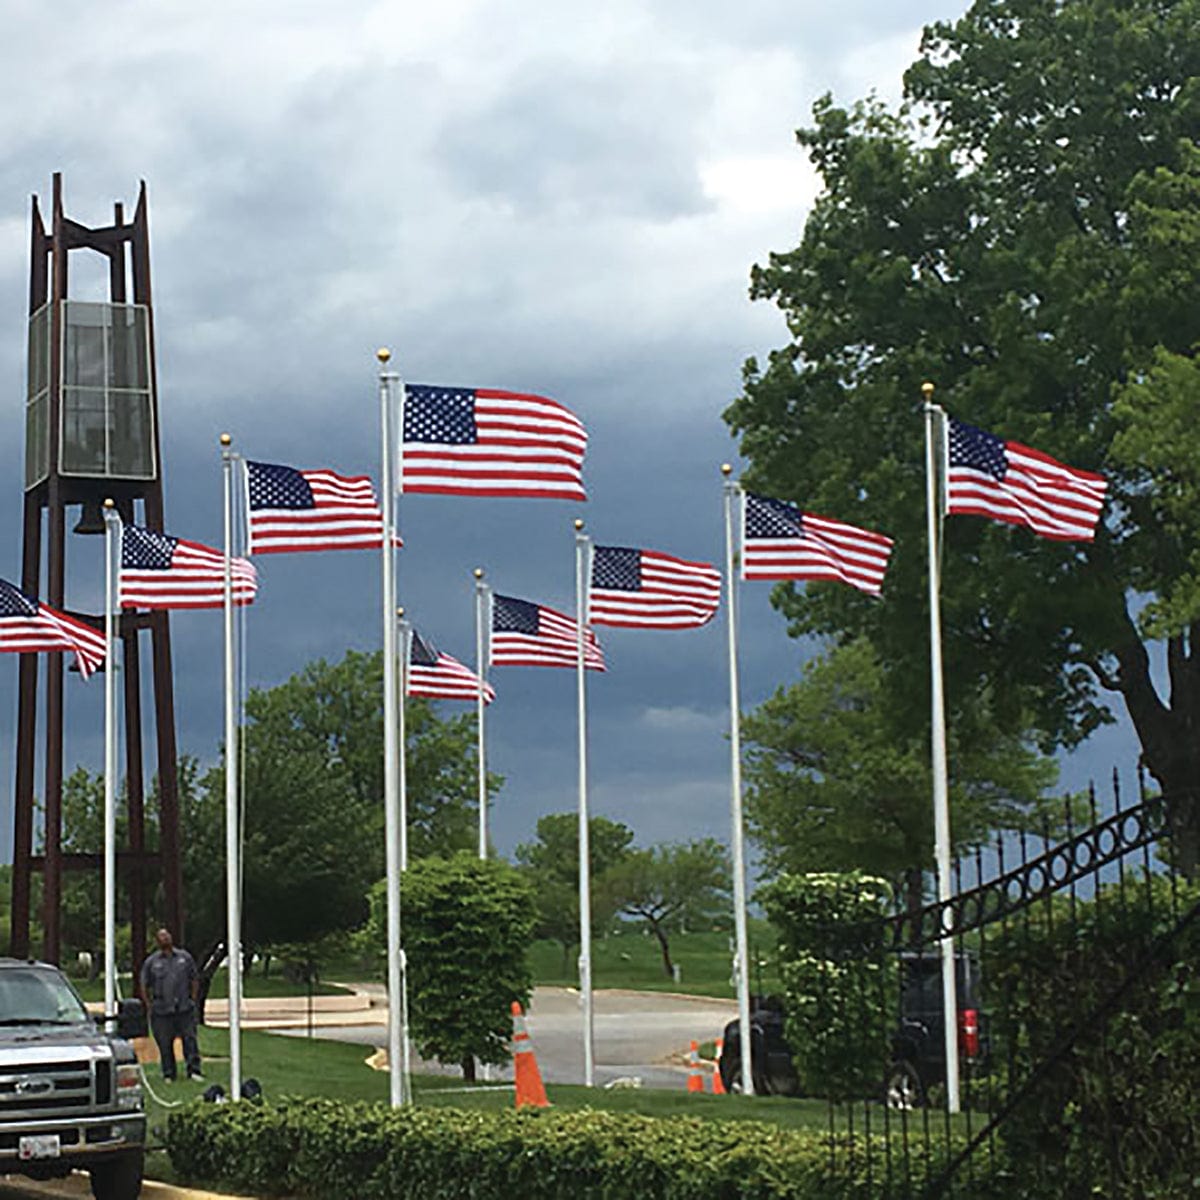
point(91, 432)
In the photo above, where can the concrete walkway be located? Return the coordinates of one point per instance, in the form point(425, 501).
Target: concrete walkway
point(360, 1005)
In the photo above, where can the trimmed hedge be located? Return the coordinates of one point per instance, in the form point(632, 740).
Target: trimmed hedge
point(331, 1151)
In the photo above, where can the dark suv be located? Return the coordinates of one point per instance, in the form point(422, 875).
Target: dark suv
point(918, 1055)
point(70, 1093)
point(919, 1046)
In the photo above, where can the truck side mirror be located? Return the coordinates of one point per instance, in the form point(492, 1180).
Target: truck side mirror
point(131, 1019)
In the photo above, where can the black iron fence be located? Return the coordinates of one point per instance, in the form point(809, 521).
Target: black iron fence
point(1076, 951)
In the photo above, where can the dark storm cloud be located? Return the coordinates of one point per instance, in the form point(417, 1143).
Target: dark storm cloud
point(548, 198)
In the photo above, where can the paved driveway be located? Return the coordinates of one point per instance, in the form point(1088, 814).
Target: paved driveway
point(637, 1033)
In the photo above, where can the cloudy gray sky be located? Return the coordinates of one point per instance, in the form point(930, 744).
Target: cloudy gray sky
point(561, 198)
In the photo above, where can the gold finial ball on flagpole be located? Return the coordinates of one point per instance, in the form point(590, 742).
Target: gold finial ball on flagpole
point(727, 469)
point(478, 572)
point(927, 390)
point(226, 440)
point(109, 502)
point(383, 354)
point(578, 524)
point(400, 613)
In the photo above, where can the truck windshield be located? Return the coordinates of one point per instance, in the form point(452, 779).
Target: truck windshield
point(35, 996)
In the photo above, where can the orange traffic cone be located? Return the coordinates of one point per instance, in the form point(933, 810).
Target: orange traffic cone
point(695, 1078)
point(718, 1086)
point(528, 1078)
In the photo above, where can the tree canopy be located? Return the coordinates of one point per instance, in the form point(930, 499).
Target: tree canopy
point(1022, 231)
point(552, 864)
point(671, 886)
point(834, 782)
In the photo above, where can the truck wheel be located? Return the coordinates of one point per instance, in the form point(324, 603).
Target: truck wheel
point(120, 1177)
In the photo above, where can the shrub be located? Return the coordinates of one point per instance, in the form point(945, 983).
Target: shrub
point(837, 972)
point(1117, 1108)
point(326, 1150)
point(468, 924)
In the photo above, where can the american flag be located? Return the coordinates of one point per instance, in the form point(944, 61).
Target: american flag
point(782, 542)
point(531, 635)
point(26, 626)
point(158, 571)
point(293, 510)
point(435, 674)
point(645, 589)
point(480, 442)
point(1006, 481)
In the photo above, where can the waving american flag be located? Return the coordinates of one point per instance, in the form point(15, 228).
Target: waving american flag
point(780, 541)
point(433, 673)
point(989, 477)
point(525, 634)
point(27, 625)
point(646, 589)
point(483, 442)
point(293, 510)
point(159, 571)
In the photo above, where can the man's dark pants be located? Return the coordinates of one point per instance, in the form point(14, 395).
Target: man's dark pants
point(166, 1028)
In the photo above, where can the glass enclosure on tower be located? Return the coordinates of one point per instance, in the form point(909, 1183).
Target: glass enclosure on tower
point(106, 409)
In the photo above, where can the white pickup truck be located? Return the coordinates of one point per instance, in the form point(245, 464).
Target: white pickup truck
point(70, 1093)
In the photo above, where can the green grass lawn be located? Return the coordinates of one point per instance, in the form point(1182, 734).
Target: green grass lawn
point(300, 1067)
point(631, 959)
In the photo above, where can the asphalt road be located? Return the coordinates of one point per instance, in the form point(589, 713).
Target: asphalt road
point(642, 1034)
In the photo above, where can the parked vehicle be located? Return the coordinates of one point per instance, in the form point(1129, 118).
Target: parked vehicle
point(918, 1056)
point(919, 1046)
point(774, 1071)
point(70, 1093)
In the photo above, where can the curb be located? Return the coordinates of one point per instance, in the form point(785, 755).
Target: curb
point(77, 1187)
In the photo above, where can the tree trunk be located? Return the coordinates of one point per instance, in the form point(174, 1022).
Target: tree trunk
point(1168, 733)
point(468, 1068)
point(660, 933)
point(914, 891)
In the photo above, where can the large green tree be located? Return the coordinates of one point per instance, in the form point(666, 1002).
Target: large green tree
point(331, 715)
point(1023, 231)
point(836, 782)
point(313, 806)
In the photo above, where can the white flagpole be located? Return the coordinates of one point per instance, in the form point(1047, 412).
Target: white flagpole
point(583, 545)
point(391, 792)
point(404, 628)
point(934, 425)
point(481, 591)
point(112, 544)
point(233, 936)
point(741, 962)
point(404, 655)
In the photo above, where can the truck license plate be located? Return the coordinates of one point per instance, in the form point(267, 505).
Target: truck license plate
point(43, 1145)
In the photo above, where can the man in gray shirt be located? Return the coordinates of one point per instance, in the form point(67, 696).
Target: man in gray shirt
point(170, 985)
